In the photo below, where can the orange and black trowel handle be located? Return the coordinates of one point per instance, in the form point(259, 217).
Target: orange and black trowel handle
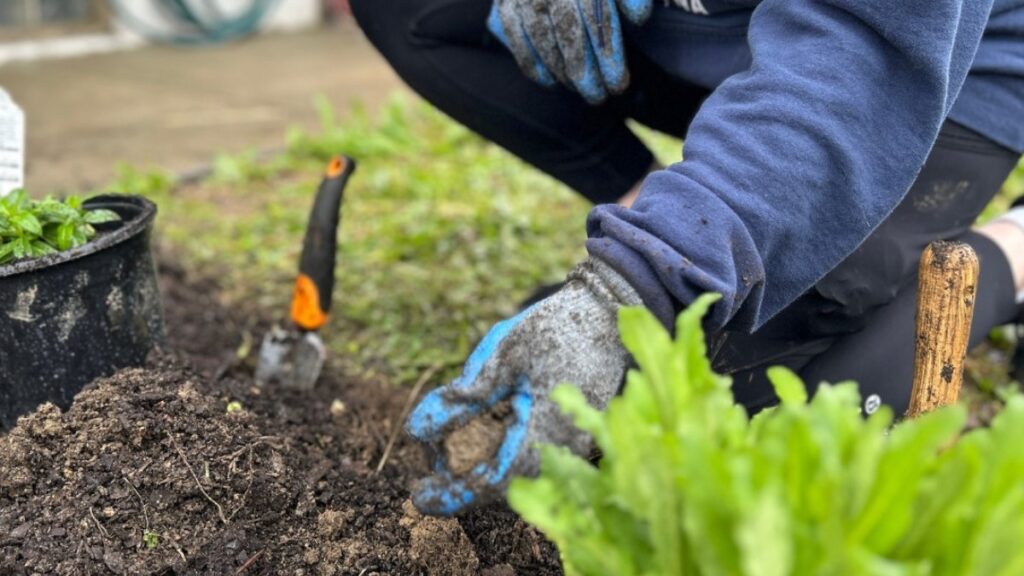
point(311, 300)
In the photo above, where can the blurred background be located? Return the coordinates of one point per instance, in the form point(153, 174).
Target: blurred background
point(171, 82)
point(225, 113)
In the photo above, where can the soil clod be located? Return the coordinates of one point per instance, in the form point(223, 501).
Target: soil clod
point(440, 544)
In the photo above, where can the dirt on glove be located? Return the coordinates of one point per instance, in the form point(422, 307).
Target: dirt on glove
point(479, 440)
point(151, 472)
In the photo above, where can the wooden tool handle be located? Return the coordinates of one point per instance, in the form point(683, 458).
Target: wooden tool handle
point(947, 286)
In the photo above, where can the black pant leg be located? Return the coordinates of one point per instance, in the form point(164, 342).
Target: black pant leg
point(443, 50)
point(854, 324)
point(881, 356)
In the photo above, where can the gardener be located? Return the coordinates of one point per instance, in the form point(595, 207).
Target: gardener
point(827, 143)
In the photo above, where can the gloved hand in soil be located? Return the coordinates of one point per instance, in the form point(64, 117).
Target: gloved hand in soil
point(483, 427)
point(577, 43)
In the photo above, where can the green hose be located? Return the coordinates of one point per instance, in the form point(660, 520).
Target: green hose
point(191, 26)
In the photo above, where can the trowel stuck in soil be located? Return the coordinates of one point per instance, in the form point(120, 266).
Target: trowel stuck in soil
point(184, 467)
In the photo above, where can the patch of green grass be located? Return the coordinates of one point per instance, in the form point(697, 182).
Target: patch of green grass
point(442, 234)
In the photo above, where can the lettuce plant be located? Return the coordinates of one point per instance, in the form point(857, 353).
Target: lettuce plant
point(688, 484)
point(32, 228)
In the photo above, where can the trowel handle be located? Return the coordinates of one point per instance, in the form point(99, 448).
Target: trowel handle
point(311, 300)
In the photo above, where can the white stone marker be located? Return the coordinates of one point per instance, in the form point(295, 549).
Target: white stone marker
point(12, 145)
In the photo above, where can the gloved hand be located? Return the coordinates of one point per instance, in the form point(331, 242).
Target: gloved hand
point(574, 42)
point(571, 337)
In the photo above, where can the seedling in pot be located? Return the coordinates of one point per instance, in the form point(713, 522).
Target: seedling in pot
point(34, 228)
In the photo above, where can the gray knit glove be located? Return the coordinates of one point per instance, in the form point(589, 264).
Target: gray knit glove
point(484, 426)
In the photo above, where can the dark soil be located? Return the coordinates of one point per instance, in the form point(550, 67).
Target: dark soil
point(151, 472)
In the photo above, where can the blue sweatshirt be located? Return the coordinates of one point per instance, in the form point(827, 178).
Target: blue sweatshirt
point(822, 114)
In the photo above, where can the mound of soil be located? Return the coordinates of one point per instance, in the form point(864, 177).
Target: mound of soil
point(185, 467)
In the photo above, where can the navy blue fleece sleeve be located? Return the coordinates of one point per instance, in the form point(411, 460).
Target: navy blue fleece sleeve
point(791, 164)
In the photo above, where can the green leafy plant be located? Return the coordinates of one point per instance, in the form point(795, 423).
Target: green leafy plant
point(150, 539)
point(688, 484)
point(32, 228)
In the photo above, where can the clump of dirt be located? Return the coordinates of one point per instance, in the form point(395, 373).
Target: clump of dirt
point(149, 473)
point(440, 544)
point(479, 440)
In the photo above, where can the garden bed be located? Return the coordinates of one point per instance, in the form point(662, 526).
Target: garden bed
point(184, 467)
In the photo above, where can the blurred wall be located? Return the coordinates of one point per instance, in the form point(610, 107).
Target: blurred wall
point(287, 15)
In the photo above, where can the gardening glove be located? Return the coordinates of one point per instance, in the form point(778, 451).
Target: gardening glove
point(483, 427)
point(577, 43)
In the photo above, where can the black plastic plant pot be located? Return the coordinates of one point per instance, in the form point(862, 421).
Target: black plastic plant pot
point(72, 317)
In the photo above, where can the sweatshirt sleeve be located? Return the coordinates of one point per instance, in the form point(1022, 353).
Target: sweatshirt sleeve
point(791, 164)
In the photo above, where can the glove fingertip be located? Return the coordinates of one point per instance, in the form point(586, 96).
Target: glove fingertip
point(543, 76)
point(496, 28)
point(610, 58)
point(588, 81)
point(441, 496)
point(619, 83)
point(637, 12)
point(592, 90)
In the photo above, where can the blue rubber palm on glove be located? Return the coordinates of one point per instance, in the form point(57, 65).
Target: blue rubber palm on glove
point(577, 43)
point(570, 337)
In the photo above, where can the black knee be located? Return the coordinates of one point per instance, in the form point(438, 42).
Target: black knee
point(380, 18)
point(398, 25)
point(868, 279)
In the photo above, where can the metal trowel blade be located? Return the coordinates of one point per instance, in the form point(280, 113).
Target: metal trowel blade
point(290, 359)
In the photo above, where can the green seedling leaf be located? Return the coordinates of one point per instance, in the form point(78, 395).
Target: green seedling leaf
point(16, 201)
point(101, 216)
point(150, 539)
point(50, 210)
point(30, 228)
point(28, 223)
point(788, 386)
point(74, 202)
point(65, 236)
point(6, 252)
point(41, 248)
point(22, 247)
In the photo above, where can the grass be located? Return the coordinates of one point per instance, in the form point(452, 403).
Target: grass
point(442, 234)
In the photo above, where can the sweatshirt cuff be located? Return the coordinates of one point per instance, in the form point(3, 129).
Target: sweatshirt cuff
point(638, 273)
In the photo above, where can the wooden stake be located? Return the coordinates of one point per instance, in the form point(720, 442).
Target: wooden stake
point(947, 287)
